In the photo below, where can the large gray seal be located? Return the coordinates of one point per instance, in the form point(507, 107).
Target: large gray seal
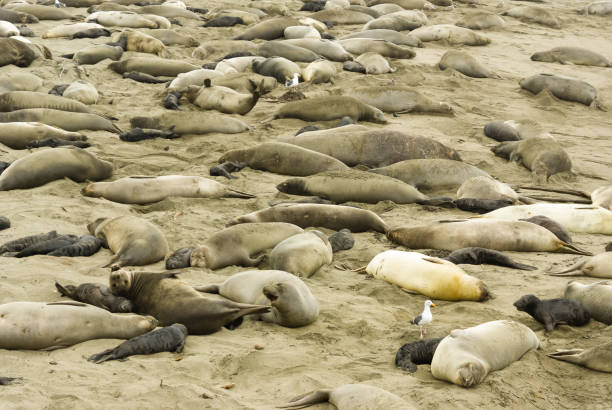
point(49, 326)
point(465, 64)
point(170, 301)
point(67, 120)
point(191, 122)
point(291, 302)
point(48, 165)
point(302, 254)
point(133, 240)
point(398, 99)
point(21, 135)
point(15, 52)
point(330, 108)
point(153, 66)
point(21, 100)
point(595, 297)
point(572, 55)
point(596, 358)
point(564, 88)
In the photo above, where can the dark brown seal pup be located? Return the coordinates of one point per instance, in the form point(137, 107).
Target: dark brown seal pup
point(168, 339)
point(5, 381)
point(173, 301)
point(226, 169)
point(96, 294)
point(139, 134)
point(419, 352)
point(5, 223)
point(341, 240)
point(479, 256)
point(86, 245)
point(481, 206)
point(554, 311)
point(20, 244)
point(552, 226)
point(44, 247)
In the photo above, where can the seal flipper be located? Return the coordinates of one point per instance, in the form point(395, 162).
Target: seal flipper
point(568, 271)
point(208, 289)
point(233, 193)
point(307, 399)
point(63, 290)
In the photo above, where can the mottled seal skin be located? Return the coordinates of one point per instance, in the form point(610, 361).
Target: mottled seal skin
point(167, 339)
point(541, 155)
point(86, 245)
point(501, 131)
point(225, 169)
point(44, 247)
point(479, 256)
point(15, 52)
point(481, 206)
point(552, 226)
point(341, 240)
point(96, 294)
point(5, 223)
point(465, 64)
point(180, 258)
point(419, 352)
point(171, 301)
point(595, 297)
point(351, 397)
point(139, 134)
point(573, 55)
point(564, 88)
point(91, 33)
point(596, 358)
point(552, 312)
point(16, 16)
point(330, 108)
point(20, 244)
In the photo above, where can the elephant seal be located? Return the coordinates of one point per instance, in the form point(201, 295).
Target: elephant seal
point(82, 92)
point(341, 16)
point(479, 256)
point(283, 158)
point(330, 50)
point(20, 244)
point(173, 38)
point(564, 88)
point(86, 245)
point(319, 71)
point(374, 63)
point(573, 217)
point(398, 99)
point(552, 312)
point(419, 352)
point(401, 20)
point(44, 247)
point(453, 35)
point(431, 174)
point(147, 190)
point(481, 206)
point(167, 339)
point(291, 302)
point(302, 254)
point(466, 356)
point(246, 82)
point(5, 223)
point(551, 225)
point(236, 244)
point(341, 240)
point(485, 187)
point(17, 16)
point(134, 40)
point(191, 122)
point(330, 108)
point(288, 51)
point(50, 326)
point(94, 32)
point(223, 21)
point(40, 12)
point(48, 165)
point(138, 134)
point(349, 397)
point(595, 297)
point(572, 55)
point(601, 8)
point(179, 258)
point(21, 135)
point(301, 32)
point(19, 81)
point(171, 300)
point(352, 185)
point(433, 277)
point(356, 144)
point(480, 20)
point(97, 53)
point(153, 66)
point(121, 19)
point(96, 294)
point(596, 358)
point(384, 48)
point(195, 77)
point(602, 197)
point(69, 121)
point(541, 155)
point(533, 14)
point(598, 266)
point(395, 37)
point(21, 100)
point(8, 29)
point(502, 131)
point(267, 30)
point(133, 240)
point(222, 99)
point(517, 236)
point(334, 217)
point(217, 48)
point(169, 11)
point(465, 64)
point(278, 67)
point(69, 29)
point(226, 169)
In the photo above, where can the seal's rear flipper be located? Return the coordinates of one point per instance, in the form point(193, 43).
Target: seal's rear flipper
point(232, 193)
point(571, 355)
point(308, 399)
point(569, 248)
point(62, 290)
point(207, 289)
point(568, 271)
point(440, 201)
point(234, 324)
point(522, 266)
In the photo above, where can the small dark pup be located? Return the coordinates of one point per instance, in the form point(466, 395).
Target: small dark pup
point(419, 352)
point(552, 312)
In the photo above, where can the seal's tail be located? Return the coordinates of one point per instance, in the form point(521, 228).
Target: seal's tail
point(568, 271)
point(306, 400)
point(232, 193)
point(570, 355)
point(569, 248)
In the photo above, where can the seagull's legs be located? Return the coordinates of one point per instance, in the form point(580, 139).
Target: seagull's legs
point(424, 330)
point(420, 327)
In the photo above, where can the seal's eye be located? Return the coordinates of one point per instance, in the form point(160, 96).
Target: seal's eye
point(125, 282)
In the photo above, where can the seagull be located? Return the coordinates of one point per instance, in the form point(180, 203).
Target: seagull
point(424, 318)
point(59, 4)
point(292, 82)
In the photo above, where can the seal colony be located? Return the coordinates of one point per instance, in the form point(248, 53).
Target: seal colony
point(190, 181)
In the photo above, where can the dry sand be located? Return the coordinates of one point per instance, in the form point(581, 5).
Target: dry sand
point(363, 321)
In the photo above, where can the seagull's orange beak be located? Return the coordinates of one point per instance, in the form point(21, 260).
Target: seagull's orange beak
point(433, 305)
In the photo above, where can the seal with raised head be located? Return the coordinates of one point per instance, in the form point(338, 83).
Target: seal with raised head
point(236, 244)
point(465, 64)
point(171, 300)
point(552, 312)
point(433, 277)
point(302, 254)
point(291, 302)
point(413, 353)
point(552, 225)
point(330, 108)
point(49, 326)
point(351, 397)
point(398, 99)
point(44, 166)
point(480, 256)
point(564, 88)
point(328, 216)
point(596, 358)
point(133, 240)
point(168, 339)
point(572, 55)
point(96, 294)
point(147, 190)
point(466, 356)
point(598, 266)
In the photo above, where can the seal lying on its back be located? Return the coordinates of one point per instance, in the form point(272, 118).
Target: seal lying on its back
point(479, 256)
point(172, 301)
point(330, 108)
point(96, 294)
point(466, 356)
point(49, 326)
point(419, 352)
point(554, 311)
point(168, 339)
point(351, 397)
point(291, 302)
point(564, 88)
point(596, 358)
